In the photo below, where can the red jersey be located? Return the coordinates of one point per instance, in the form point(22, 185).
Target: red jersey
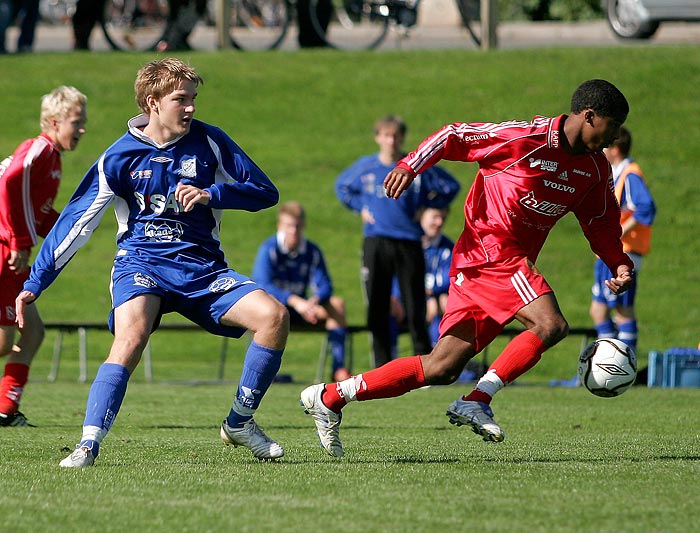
point(526, 182)
point(29, 181)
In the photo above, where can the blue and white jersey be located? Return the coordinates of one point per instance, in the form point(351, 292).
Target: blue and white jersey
point(282, 272)
point(438, 258)
point(361, 186)
point(139, 178)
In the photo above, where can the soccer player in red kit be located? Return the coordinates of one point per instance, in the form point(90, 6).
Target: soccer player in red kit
point(29, 181)
point(530, 175)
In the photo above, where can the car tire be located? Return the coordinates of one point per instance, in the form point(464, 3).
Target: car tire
point(626, 20)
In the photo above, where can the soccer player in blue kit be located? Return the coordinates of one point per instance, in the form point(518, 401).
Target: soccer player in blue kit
point(168, 178)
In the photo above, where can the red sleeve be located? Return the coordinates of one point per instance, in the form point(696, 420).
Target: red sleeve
point(459, 141)
point(599, 217)
point(16, 208)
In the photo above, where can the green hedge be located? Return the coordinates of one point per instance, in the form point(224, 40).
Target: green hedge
point(563, 10)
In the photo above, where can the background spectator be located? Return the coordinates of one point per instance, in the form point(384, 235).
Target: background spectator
point(392, 234)
point(294, 271)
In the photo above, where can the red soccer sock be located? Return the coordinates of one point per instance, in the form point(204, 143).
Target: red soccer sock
point(478, 396)
point(395, 378)
point(11, 386)
point(519, 356)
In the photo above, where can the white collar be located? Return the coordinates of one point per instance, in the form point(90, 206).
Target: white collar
point(285, 250)
point(136, 125)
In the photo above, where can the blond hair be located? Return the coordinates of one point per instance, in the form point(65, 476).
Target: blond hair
point(161, 77)
point(59, 103)
point(293, 209)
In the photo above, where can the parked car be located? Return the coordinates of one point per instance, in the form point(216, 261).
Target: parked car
point(639, 19)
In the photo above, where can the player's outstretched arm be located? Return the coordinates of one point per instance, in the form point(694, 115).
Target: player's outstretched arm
point(397, 181)
point(25, 298)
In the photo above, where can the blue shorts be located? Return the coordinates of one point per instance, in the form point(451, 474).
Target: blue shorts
point(600, 293)
point(201, 292)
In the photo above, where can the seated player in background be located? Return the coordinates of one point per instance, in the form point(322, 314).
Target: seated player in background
point(294, 271)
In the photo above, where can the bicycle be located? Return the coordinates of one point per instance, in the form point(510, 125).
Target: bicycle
point(365, 23)
point(264, 24)
point(141, 24)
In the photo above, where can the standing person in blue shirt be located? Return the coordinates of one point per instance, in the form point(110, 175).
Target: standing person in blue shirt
point(392, 234)
point(293, 270)
point(168, 177)
point(613, 315)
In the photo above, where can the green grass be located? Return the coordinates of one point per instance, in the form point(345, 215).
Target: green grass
point(306, 116)
point(570, 461)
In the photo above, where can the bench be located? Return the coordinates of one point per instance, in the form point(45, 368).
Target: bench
point(82, 328)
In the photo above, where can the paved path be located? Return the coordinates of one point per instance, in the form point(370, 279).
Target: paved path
point(510, 35)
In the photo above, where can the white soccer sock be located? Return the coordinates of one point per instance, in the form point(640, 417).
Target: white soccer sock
point(490, 383)
point(347, 388)
point(93, 433)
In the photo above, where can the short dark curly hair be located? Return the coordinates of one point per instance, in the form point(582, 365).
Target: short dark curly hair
point(602, 97)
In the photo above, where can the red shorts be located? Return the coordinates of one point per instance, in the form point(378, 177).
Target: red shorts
point(11, 285)
point(490, 296)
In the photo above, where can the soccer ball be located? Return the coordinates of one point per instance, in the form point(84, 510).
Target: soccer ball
point(607, 367)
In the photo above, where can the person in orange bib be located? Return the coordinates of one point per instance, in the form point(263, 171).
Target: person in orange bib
point(613, 315)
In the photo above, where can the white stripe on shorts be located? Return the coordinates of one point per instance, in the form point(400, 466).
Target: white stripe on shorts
point(524, 289)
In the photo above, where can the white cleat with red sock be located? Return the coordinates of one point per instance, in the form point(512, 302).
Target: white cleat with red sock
point(327, 421)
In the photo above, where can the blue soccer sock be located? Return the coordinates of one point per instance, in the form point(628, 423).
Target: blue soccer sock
point(606, 330)
point(104, 400)
point(336, 342)
point(260, 367)
point(628, 334)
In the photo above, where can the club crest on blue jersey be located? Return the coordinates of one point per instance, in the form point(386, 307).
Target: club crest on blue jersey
point(163, 231)
point(188, 168)
point(142, 280)
point(222, 284)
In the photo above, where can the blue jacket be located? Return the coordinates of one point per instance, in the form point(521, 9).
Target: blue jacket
point(362, 186)
point(283, 273)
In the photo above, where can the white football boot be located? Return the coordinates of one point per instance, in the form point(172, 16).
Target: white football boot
point(252, 437)
point(80, 458)
point(327, 421)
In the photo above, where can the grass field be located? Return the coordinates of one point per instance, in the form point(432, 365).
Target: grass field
point(570, 461)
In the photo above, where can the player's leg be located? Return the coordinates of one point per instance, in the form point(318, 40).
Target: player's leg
point(324, 402)
point(378, 273)
point(516, 289)
point(626, 324)
point(260, 313)
point(545, 325)
point(333, 314)
point(433, 316)
point(20, 356)
point(410, 273)
point(602, 301)
point(133, 322)
point(19, 349)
